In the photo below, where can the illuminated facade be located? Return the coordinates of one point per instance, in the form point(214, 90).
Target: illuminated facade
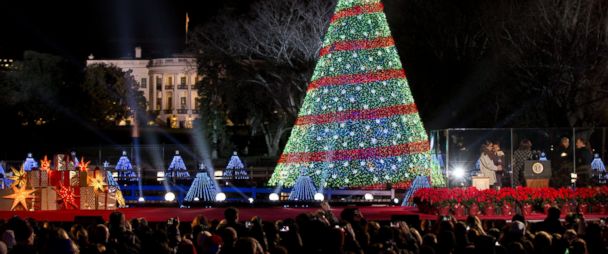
point(167, 83)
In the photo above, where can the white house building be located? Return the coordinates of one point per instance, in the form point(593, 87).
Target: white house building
point(167, 83)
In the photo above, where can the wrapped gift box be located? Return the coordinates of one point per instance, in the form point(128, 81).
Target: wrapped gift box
point(87, 198)
point(38, 178)
point(106, 201)
point(75, 205)
point(61, 162)
point(65, 178)
point(46, 199)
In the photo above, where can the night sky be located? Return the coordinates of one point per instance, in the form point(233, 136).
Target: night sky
point(106, 28)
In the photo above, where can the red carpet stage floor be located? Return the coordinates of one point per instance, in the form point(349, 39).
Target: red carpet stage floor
point(269, 213)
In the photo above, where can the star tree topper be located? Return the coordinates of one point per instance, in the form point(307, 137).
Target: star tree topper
point(20, 196)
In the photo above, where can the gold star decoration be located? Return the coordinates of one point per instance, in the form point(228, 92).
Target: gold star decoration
point(97, 183)
point(83, 165)
point(67, 196)
point(45, 164)
point(19, 177)
point(20, 196)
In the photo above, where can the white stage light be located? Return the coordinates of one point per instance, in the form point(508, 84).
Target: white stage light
point(273, 197)
point(319, 196)
point(250, 200)
point(220, 197)
point(196, 199)
point(368, 196)
point(170, 196)
point(458, 172)
point(396, 200)
point(141, 199)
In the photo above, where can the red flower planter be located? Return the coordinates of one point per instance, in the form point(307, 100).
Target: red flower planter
point(583, 208)
point(474, 209)
point(489, 210)
point(546, 207)
point(565, 208)
point(527, 209)
point(507, 209)
point(459, 210)
point(599, 209)
point(444, 210)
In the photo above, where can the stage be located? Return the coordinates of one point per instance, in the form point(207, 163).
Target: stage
point(383, 213)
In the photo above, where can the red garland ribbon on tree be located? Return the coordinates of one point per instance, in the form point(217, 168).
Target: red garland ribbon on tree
point(356, 154)
point(365, 114)
point(381, 42)
point(350, 79)
point(357, 10)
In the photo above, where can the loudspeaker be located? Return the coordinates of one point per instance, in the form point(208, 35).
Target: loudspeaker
point(88, 220)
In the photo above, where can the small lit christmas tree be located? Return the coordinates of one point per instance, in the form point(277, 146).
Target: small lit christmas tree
point(358, 125)
point(235, 169)
point(5, 180)
point(304, 189)
point(29, 163)
point(599, 169)
point(177, 168)
point(125, 169)
point(418, 183)
point(203, 188)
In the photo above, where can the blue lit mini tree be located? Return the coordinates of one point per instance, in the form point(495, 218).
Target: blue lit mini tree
point(304, 189)
point(599, 169)
point(177, 168)
point(235, 169)
point(29, 163)
point(418, 183)
point(5, 180)
point(125, 169)
point(203, 187)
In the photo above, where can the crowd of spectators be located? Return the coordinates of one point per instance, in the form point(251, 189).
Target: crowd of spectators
point(318, 232)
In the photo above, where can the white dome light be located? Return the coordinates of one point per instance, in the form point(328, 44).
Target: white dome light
point(319, 196)
point(250, 200)
point(196, 199)
point(273, 197)
point(170, 196)
point(220, 197)
point(368, 196)
point(141, 199)
point(396, 200)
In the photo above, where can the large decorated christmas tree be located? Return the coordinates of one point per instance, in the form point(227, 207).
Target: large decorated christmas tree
point(358, 125)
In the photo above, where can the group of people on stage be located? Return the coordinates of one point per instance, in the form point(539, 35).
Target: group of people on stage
point(492, 162)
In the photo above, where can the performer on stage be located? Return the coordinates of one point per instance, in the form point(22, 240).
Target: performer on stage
point(520, 156)
point(561, 163)
point(486, 163)
point(583, 162)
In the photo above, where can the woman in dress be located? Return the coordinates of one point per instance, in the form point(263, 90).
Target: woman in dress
point(520, 156)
